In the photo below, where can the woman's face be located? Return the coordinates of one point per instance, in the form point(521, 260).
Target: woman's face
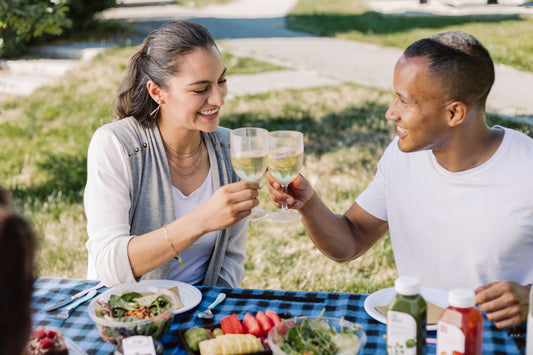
point(195, 94)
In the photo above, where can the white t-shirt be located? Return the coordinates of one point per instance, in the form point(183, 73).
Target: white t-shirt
point(112, 222)
point(462, 229)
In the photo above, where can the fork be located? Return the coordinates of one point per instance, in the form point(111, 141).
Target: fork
point(66, 312)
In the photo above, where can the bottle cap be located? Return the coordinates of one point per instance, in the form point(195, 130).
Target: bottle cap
point(407, 286)
point(462, 298)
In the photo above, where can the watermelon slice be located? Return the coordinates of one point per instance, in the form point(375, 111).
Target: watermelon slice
point(231, 325)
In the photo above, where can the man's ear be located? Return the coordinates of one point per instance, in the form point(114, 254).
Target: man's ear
point(155, 91)
point(457, 111)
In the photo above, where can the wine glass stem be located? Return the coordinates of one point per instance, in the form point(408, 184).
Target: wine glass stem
point(284, 207)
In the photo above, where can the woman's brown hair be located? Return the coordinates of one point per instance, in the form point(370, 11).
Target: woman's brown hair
point(157, 59)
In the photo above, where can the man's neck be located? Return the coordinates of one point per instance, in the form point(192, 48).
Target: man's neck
point(470, 149)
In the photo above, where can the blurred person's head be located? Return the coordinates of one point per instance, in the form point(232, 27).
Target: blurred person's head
point(17, 244)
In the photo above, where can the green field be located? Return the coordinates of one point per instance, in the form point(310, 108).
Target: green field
point(508, 38)
point(46, 135)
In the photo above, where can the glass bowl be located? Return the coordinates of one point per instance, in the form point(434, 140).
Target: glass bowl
point(348, 345)
point(114, 331)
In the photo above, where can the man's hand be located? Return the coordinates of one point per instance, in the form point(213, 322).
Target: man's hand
point(298, 193)
point(505, 303)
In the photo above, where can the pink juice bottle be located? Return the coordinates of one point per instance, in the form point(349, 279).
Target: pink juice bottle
point(460, 327)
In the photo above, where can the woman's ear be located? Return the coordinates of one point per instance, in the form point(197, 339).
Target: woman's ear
point(457, 111)
point(155, 91)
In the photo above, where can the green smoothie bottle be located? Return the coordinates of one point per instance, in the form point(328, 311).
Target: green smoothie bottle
point(406, 319)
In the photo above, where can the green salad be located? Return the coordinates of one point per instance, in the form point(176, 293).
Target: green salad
point(133, 306)
point(130, 308)
point(316, 337)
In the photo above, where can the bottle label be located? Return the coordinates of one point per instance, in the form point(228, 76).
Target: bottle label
point(401, 333)
point(450, 339)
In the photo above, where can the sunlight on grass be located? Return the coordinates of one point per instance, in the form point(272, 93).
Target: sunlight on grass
point(506, 37)
point(200, 3)
point(46, 135)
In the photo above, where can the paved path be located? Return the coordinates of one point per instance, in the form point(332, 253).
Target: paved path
point(256, 28)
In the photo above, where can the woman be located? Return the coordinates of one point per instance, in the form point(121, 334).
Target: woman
point(162, 200)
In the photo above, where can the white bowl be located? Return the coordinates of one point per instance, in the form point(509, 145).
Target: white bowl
point(276, 336)
point(114, 331)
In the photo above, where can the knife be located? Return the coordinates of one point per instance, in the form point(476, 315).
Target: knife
point(77, 295)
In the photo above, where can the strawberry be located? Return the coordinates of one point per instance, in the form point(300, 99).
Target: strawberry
point(264, 321)
point(273, 316)
point(51, 334)
point(39, 333)
point(251, 325)
point(231, 325)
point(46, 343)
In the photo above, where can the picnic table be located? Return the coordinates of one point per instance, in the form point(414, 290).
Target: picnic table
point(82, 331)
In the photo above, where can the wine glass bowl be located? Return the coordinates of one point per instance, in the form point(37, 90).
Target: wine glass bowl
point(249, 155)
point(285, 160)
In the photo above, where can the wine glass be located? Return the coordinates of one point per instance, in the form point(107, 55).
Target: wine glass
point(285, 159)
point(249, 154)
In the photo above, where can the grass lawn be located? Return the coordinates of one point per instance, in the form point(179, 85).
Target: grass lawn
point(508, 38)
point(46, 135)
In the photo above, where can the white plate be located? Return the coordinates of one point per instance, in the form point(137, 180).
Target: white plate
point(73, 348)
point(383, 298)
point(190, 296)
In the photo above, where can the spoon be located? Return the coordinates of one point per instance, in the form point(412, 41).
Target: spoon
point(207, 314)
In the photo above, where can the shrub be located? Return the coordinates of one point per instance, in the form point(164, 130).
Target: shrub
point(82, 12)
point(31, 21)
point(23, 20)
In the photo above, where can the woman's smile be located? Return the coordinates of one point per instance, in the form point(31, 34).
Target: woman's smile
point(210, 114)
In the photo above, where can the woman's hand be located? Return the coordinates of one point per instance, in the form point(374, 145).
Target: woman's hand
point(505, 303)
point(229, 204)
point(299, 192)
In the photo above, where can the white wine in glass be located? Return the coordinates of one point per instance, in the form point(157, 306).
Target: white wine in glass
point(285, 159)
point(249, 154)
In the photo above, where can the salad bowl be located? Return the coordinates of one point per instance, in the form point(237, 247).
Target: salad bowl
point(309, 334)
point(133, 309)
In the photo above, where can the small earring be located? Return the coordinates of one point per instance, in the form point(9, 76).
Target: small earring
point(156, 110)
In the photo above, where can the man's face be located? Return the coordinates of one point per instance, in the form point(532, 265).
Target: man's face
point(418, 110)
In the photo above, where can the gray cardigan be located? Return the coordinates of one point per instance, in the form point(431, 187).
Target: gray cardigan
point(152, 203)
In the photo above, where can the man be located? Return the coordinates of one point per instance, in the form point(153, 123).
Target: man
point(456, 195)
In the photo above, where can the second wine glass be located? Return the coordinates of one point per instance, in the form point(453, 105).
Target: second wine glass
point(249, 154)
point(285, 159)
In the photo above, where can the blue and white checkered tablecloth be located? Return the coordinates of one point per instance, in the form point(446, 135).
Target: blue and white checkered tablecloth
point(81, 329)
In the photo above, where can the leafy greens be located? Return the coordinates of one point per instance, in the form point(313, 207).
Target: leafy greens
point(316, 337)
point(118, 306)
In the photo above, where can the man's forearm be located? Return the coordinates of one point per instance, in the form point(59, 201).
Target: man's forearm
point(332, 234)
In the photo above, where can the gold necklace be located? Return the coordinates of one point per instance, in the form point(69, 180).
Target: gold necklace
point(173, 158)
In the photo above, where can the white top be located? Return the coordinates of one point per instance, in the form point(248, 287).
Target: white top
point(104, 227)
point(196, 257)
point(458, 230)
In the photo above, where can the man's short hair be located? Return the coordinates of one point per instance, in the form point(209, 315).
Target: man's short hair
point(462, 65)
